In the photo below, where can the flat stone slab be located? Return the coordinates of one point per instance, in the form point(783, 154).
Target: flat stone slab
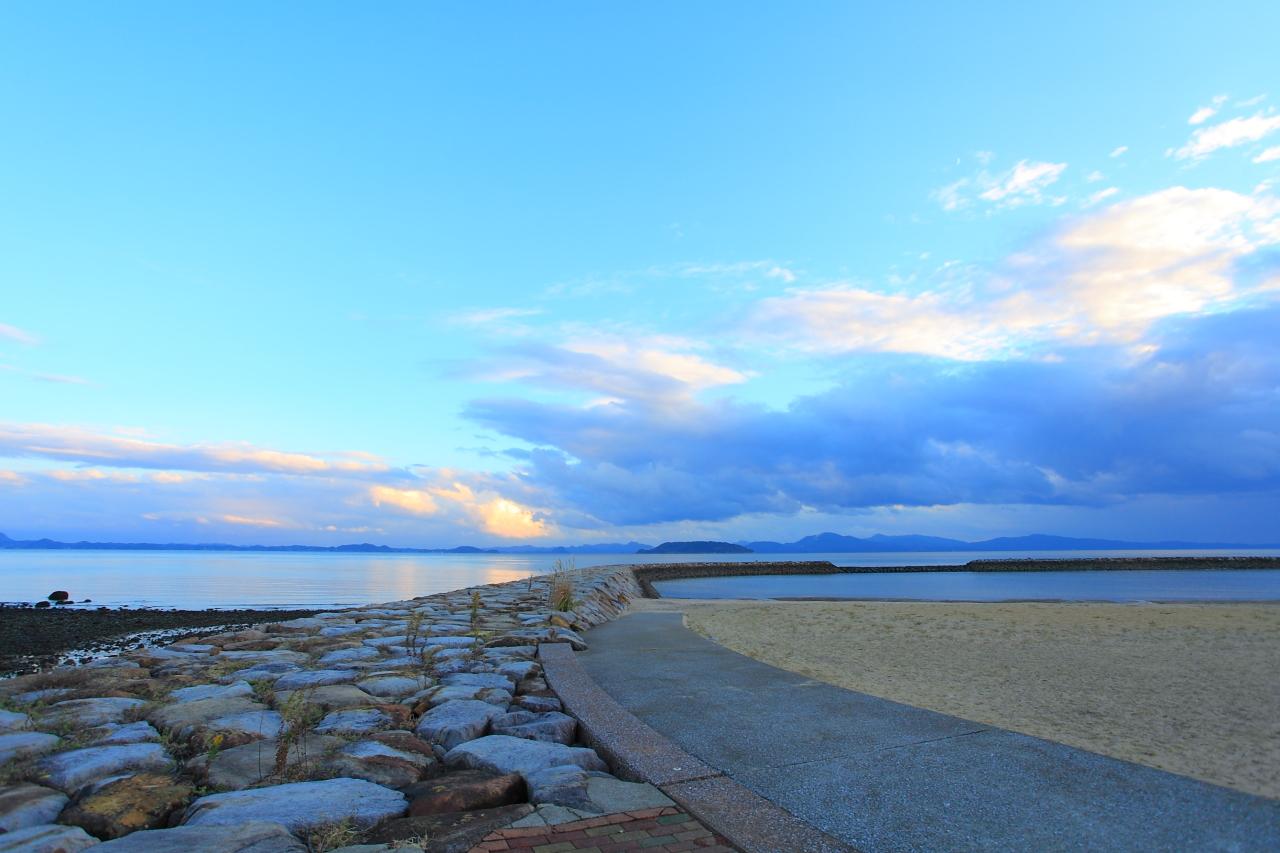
point(115, 733)
point(183, 718)
point(50, 838)
point(12, 721)
point(69, 771)
point(15, 746)
point(243, 766)
point(390, 686)
point(504, 754)
point(27, 805)
point(211, 691)
point(315, 678)
point(359, 653)
point(354, 722)
point(456, 722)
point(300, 806)
point(250, 837)
point(89, 712)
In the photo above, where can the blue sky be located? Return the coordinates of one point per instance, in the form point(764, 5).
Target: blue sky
point(432, 274)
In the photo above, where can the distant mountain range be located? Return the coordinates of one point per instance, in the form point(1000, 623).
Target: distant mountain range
point(822, 543)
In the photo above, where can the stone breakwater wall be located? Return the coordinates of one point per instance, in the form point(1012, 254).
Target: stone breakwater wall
point(646, 575)
point(423, 723)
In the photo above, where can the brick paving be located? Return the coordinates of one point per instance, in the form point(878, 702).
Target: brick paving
point(665, 830)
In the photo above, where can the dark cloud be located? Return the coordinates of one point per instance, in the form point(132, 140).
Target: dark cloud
point(1201, 415)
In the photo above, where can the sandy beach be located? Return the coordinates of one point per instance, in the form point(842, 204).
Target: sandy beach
point(1189, 688)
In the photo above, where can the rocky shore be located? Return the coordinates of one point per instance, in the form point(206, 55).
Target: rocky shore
point(33, 639)
point(423, 724)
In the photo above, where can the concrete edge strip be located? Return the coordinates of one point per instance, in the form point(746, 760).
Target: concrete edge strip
point(637, 752)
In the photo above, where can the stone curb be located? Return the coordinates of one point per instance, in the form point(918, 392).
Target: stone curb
point(635, 751)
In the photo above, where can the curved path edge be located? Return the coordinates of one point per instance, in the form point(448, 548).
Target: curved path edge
point(635, 751)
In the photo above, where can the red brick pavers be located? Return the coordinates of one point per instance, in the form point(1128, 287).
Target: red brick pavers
point(665, 830)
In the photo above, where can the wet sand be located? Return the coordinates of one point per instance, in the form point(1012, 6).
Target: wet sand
point(1189, 688)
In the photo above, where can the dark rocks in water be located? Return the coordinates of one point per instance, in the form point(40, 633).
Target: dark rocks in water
point(700, 547)
point(59, 595)
point(43, 604)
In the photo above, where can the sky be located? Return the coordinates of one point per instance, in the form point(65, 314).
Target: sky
point(440, 274)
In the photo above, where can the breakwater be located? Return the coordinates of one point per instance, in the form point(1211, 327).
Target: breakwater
point(646, 575)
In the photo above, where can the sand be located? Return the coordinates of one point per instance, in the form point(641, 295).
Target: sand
point(1189, 688)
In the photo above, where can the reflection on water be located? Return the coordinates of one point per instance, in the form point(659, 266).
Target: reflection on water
point(245, 579)
point(1187, 585)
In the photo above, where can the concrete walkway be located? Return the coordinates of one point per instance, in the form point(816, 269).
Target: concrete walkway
point(884, 776)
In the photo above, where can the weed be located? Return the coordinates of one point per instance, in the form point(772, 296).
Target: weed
point(297, 716)
point(213, 747)
point(413, 631)
point(264, 691)
point(331, 836)
point(561, 596)
point(476, 604)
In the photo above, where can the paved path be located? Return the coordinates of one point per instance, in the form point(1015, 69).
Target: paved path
point(885, 776)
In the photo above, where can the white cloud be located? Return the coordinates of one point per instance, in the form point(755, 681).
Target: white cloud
point(1101, 195)
point(488, 316)
point(951, 197)
point(1025, 183)
point(1228, 134)
point(1104, 277)
point(22, 336)
point(1203, 114)
point(1269, 155)
point(1094, 176)
point(490, 512)
point(1119, 151)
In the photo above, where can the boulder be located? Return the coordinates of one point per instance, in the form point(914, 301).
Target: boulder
point(49, 838)
point(70, 771)
point(126, 805)
point(15, 746)
point(83, 713)
point(552, 726)
point(247, 765)
point(538, 704)
point(12, 721)
point(114, 733)
point(519, 670)
point(354, 722)
point(184, 718)
point(306, 678)
point(465, 790)
point(453, 723)
point(565, 785)
point(377, 762)
point(211, 691)
point(504, 754)
point(390, 686)
point(300, 806)
point(250, 837)
point(59, 595)
point(29, 805)
point(359, 653)
point(247, 725)
point(332, 697)
point(495, 680)
point(456, 692)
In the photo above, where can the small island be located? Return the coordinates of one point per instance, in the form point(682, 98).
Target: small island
point(696, 548)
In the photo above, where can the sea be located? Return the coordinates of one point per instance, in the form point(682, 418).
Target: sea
point(216, 579)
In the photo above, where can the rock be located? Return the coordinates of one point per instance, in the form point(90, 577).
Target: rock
point(89, 712)
point(451, 642)
point(405, 742)
point(609, 795)
point(29, 805)
point(59, 595)
point(465, 790)
point(552, 726)
point(247, 725)
point(72, 770)
point(377, 762)
point(332, 696)
point(538, 704)
point(268, 671)
point(43, 604)
point(211, 691)
point(390, 686)
point(565, 785)
point(49, 838)
point(504, 754)
point(519, 670)
point(12, 721)
point(126, 805)
point(458, 692)
point(551, 815)
point(115, 733)
point(315, 678)
point(251, 763)
point(354, 722)
point(456, 832)
point(359, 653)
point(300, 806)
point(184, 718)
point(250, 837)
point(480, 679)
point(341, 630)
point(455, 722)
point(18, 745)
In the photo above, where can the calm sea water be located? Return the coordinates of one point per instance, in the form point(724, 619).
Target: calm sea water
point(1185, 585)
point(214, 579)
